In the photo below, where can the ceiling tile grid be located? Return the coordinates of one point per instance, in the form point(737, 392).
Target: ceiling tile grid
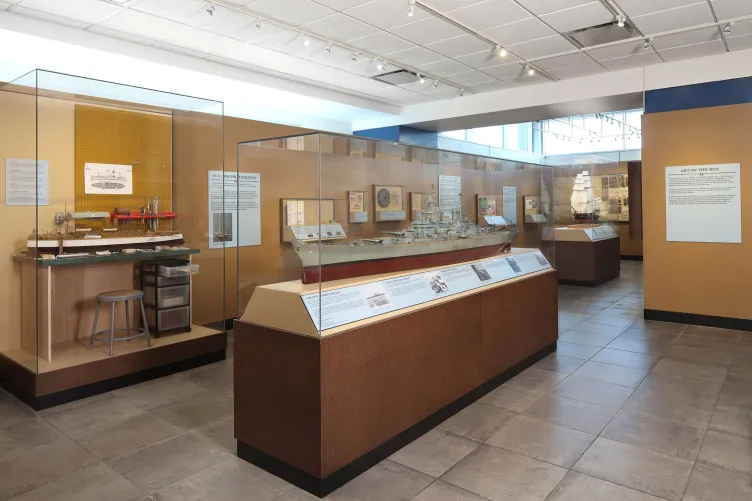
point(674, 19)
point(727, 9)
point(577, 18)
point(489, 13)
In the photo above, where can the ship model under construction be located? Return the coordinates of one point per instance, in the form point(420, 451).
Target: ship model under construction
point(433, 239)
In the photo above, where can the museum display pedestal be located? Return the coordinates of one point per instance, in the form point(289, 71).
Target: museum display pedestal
point(586, 254)
point(319, 407)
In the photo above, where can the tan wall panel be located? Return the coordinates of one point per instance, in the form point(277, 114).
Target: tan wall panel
point(699, 278)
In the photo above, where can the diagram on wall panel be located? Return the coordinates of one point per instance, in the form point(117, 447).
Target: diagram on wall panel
point(108, 179)
point(234, 209)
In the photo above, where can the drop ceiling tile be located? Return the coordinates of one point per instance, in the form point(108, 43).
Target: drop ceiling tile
point(525, 80)
point(4, 5)
point(634, 8)
point(540, 7)
point(741, 28)
point(341, 4)
point(459, 46)
point(674, 19)
point(53, 18)
point(428, 30)
point(415, 98)
point(555, 63)
point(386, 14)
point(444, 68)
point(281, 40)
point(642, 59)
point(444, 93)
point(120, 35)
point(541, 47)
point(469, 77)
point(692, 51)
point(505, 71)
point(363, 84)
point(336, 56)
point(210, 43)
point(339, 28)
point(490, 86)
point(234, 25)
point(520, 31)
point(419, 87)
point(445, 6)
point(328, 74)
point(727, 9)
point(416, 56)
point(392, 92)
point(144, 25)
point(191, 12)
point(686, 38)
point(489, 13)
point(290, 12)
point(577, 18)
point(621, 50)
point(87, 11)
point(740, 43)
point(381, 43)
point(180, 50)
point(485, 59)
point(578, 71)
point(366, 67)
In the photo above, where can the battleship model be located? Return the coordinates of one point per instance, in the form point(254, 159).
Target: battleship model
point(585, 207)
point(432, 239)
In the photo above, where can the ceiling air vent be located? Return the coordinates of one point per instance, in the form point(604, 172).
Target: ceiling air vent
point(605, 33)
point(399, 77)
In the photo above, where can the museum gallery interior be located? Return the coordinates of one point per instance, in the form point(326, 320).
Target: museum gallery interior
point(361, 250)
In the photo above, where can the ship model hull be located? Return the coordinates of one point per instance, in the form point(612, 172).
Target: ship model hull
point(335, 262)
point(77, 245)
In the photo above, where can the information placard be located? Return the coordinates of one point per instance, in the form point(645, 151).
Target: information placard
point(234, 209)
point(26, 182)
point(703, 204)
point(350, 304)
point(450, 189)
point(509, 203)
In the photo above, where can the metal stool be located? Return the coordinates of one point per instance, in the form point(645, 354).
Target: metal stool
point(115, 297)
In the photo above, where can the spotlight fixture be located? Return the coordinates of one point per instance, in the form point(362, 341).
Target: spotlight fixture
point(411, 8)
point(502, 51)
point(379, 65)
point(435, 84)
point(354, 57)
point(210, 8)
point(420, 77)
point(258, 24)
point(727, 29)
point(530, 70)
point(647, 44)
point(329, 48)
point(306, 42)
point(620, 21)
point(461, 93)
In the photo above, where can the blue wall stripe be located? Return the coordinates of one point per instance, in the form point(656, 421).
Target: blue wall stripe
point(419, 137)
point(386, 133)
point(705, 95)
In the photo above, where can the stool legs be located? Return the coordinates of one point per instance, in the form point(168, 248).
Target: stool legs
point(94, 328)
point(127, 322)
point(146, 325)
point(112, 331)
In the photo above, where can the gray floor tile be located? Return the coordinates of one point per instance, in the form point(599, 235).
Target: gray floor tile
point(576, 350)
point(25, 435)
point(620, 321)
point(220, 432)
point(606, 330)
point(713, 332)
point(616, 374)
point(212, 377)
point(736, 395)
point(435, 452)
point(739, 372)
point(657, 337)
point(706, 342)
point(640, 469)
point(442, 491)
point(86, 418)
point(12, 410)
point(196, 411)
point(745, 348)
point(168, 462)
point(25, 470)
point(512, 399)
point(228, 392)
point(536, 380)
point(159, 392)
point(594, 392)
point(579, 487)
point(477, 421)
point(639, 345)
point(727, 451)
point(582, 416)
point(556, 362)
point(501, 475)
point(656, 326)
point(700, 355)
point(732, 421)
point(541, 440)
point(565, 323)
point(655, 434)
point(709, 483)
point(76, 403)
point(626, 358)
point(588, 338)
point(298, 495)
point(97, 483)
point(230, 480)
point(692, 370)
point(580, 317)
point(387, 481)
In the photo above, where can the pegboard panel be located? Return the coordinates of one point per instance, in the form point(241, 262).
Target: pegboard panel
point(112, 136)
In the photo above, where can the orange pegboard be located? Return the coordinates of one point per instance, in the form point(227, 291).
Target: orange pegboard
point(125, 137)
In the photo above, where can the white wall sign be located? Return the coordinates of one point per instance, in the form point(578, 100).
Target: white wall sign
point(450, 188)
point(349, 304)
point(108, 179)
point(26, 182)
point(509, 203)
point(703, 203)
point(234, 209)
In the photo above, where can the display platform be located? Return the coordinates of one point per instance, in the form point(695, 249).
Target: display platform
point(586, 254)
point(329, 382)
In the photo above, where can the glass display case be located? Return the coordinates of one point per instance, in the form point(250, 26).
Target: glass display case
point(103, 180)
point(358, 228)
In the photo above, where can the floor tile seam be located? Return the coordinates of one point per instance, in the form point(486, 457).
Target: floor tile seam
point(543, 460)
point(659, 417)
point(126, 479)
point(199, 426)
point(214, 421)
point(621, 441)
point(158, 442)
point(689, 377)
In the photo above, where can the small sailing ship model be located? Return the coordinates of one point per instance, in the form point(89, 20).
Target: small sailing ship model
point(585, 206)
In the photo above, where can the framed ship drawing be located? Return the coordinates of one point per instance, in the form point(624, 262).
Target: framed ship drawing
point(357, 206)
point(389, 203)
point(486, 206)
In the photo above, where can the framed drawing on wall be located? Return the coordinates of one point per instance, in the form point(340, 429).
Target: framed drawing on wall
point(486, 206)
point(357, 206)
point(389, 203)
point(303, 218)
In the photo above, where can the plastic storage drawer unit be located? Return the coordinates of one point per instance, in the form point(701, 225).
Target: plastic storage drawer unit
point(168, 297)
point(175, 318)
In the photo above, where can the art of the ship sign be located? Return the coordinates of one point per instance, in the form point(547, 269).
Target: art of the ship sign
point(234, 209)
point(703, 204)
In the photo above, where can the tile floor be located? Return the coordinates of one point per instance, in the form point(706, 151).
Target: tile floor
point(626, 410)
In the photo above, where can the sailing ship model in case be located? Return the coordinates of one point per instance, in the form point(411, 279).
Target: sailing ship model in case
point(433, 239)
point(585, 206)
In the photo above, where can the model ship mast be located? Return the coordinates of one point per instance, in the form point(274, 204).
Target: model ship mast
point(583, 203)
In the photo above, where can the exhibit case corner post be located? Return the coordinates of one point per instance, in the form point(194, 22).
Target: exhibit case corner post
point(107, 190)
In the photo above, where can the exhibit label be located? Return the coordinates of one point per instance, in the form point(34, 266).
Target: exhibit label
point(26, 182)
point(509, 203)
point(350, 304)
point(703, 204)
point(234, 209)
point(450, 189)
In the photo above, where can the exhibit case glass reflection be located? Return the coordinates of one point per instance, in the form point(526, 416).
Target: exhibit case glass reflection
point(337, 230)
point(107, 188)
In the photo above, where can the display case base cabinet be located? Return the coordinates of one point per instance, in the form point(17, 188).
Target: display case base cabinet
point(317, 412)
point(588, 263)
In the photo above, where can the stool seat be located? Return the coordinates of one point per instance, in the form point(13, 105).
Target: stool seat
point(115, 296)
